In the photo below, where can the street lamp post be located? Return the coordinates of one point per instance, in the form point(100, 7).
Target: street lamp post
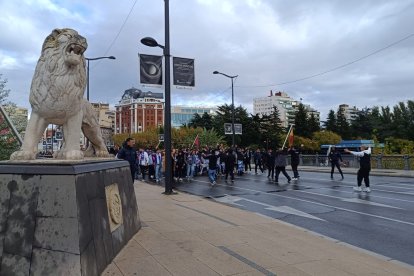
point(87, 75)
point(151, 42)
point(232, 103)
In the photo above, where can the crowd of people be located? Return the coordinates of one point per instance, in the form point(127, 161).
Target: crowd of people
point(219, 161)
point(187, 163)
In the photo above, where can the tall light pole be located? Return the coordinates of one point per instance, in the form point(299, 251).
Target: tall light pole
point(151, 42)
point(232, 103)
point(87, 75)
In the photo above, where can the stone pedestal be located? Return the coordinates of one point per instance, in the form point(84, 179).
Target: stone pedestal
point(64, 217)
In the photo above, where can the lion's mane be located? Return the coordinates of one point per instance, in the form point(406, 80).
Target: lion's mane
point(57, 87)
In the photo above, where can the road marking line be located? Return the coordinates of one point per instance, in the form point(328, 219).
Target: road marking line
point(377, 196)
point(317, 203)
point(352, 200)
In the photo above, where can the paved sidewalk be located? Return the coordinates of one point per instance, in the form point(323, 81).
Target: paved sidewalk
point(189, 235)
point(374, 172)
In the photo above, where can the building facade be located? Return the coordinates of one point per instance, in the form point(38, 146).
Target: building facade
point(286, 105)
point(106, 120)
point(350, 112)
point(138, 111)
point(182, 115)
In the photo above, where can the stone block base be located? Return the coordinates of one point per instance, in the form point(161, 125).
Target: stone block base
point(66, 218)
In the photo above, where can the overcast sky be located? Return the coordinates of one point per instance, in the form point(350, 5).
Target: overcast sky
point(265, 42)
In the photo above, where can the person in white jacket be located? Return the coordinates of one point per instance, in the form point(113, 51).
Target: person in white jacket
point(143, 162)
point(364, 167)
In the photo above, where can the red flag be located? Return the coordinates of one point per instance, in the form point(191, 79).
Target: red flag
point(291, 138)
point(196, 142)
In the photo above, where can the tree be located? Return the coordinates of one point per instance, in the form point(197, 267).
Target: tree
point(330, 123)
point(301, 122)
point(326, 137)
point(4, 93)
point(362, 125)
point(271, 129)
point(313, 124)
point(241, 116)
point(342, 125)
point(8, 142)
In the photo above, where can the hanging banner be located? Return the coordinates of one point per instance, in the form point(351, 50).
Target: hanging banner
point(237, 129)
point(150, 69)
point(183, 71)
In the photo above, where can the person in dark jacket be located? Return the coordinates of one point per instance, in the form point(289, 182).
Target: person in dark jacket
point(294, 161)
point(270, 163)
point(364, 168)
point(247, 159)
point(280, 162)
point(128, 153)
point(212, 166)
point(257, 160)
point(335, 157)
point(229, 165)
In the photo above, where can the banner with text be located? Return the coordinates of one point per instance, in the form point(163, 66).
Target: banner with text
point(150, 69)
point(183, 71)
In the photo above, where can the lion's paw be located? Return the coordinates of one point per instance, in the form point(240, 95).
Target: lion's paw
point(23, 155)
point(70, 155)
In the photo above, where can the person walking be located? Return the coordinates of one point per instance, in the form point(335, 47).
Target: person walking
point(143, 162)
point(229, 165)
point(258, 161)
point(364, 167)
point(280, 163)
point(158, 165)
point(335, 157)
point(294, 161)
point(212, 166)
point(270, 162)
point(247, 157)
point(128, 153)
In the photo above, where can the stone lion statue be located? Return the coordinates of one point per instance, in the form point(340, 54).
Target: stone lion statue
point(56, 97)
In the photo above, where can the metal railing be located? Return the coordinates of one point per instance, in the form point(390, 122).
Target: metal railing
point(396, 162)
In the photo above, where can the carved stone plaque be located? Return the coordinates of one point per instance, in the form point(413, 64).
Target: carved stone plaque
point(114, 206)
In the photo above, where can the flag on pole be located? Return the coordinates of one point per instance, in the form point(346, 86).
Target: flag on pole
point(196, 142)
point(291, 138)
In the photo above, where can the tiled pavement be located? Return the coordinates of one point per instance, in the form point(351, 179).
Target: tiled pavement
point(188, 235)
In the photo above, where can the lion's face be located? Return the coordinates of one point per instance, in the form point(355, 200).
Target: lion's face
point(69, 43)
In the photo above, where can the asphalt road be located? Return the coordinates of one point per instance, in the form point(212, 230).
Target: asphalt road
point(381, 221)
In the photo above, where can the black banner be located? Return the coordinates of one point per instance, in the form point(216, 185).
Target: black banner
point(150, 69)
point(183, 71)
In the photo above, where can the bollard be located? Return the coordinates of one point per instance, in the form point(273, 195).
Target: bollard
point(317, 160)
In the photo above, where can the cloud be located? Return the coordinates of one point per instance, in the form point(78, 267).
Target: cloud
point(263, 41)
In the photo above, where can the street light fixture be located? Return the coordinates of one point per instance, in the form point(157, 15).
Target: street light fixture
point(87, 77)
point(232, 103)
point(151, 42)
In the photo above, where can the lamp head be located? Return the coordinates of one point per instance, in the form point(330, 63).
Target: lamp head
point(112, 57)
point(149, 41)
point(216, 72)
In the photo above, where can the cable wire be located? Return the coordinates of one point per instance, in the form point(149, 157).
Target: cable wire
point(332, 69)
point(119, 32)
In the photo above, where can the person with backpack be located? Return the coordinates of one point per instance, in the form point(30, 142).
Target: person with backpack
point(335, 158)
point(364, 167)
